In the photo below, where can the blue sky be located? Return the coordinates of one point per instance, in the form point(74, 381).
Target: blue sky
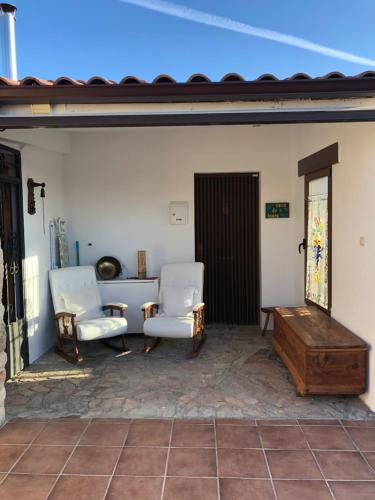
point(114, 39)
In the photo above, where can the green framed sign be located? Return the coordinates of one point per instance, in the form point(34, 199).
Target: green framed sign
point(279, 210)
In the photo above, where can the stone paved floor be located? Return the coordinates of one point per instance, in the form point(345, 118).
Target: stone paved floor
point(235, 375)
point(171, 459)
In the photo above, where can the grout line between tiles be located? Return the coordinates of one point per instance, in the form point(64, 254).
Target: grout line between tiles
point(24, 451)
point(54, 474)
point(352, 426)
point(317, 463)
point(267, 464)
point(217, 464)
point(359, 450)
point(201, 477)
point(67, 460)
point(167, 461)
point(117, 461)
point(185, 446)
point(253, 478)
point(105, 421)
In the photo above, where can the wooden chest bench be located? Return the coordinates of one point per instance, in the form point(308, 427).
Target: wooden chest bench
point(322, 355)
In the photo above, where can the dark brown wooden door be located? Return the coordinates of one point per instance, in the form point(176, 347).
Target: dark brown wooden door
point(227, 242)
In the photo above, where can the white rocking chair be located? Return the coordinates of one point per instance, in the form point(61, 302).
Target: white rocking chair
point(79, 312)
point(179, 312)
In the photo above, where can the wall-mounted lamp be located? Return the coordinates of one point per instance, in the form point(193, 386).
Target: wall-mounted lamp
point(31, 208)
point(31, 185)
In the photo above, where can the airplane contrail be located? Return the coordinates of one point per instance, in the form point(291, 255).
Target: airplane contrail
point(201, 17)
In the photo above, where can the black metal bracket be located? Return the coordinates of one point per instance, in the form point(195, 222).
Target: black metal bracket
point(31, 185)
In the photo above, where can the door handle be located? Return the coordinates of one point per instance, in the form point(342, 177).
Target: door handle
point(302, 245)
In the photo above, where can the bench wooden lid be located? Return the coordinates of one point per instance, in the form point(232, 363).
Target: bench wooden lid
point(316, 329)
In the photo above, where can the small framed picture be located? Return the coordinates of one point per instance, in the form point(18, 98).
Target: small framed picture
point(277, 210)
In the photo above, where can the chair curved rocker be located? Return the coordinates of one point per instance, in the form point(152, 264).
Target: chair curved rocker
point(179, 312)
point(80, 315)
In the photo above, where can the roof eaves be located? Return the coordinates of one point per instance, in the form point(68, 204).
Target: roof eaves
point(164, 88)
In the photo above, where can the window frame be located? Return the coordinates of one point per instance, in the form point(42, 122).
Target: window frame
point(323, 172)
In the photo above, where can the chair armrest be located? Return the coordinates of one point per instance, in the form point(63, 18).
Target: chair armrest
point(65, 314)
point(149, 309)
point(198, 307)
point(198, 311)
point(149, 305)
point(65, 324)
point(117, 306)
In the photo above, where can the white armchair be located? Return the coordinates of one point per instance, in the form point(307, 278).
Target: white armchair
point(79, 312)
point(179, 312)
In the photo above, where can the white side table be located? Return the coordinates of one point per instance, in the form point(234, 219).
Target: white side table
point(134, 293)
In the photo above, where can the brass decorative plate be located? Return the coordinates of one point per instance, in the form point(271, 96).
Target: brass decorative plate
point(108, 268)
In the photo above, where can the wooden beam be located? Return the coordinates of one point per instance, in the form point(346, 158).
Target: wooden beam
point(326, 157)
point(317, 88)
point(196, 119)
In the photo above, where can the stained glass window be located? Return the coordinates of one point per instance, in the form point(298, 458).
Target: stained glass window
point(317, 263)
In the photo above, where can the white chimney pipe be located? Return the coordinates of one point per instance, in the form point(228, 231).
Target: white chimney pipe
point(8, 40)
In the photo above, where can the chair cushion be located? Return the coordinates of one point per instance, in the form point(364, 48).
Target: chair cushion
point(188, 274)
point(84, 303)
point(177, 301)
point(73, 279)
point(165, 326)
point(100, 328)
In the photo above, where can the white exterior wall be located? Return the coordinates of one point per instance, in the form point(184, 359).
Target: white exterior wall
point(48, 167)
point(121, 183)
point(353, 197)
point(43, 164)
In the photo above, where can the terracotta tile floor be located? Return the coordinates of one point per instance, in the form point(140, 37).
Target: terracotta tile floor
point(244, 459)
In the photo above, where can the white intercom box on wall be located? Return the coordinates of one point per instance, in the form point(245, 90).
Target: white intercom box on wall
point(178, 212)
